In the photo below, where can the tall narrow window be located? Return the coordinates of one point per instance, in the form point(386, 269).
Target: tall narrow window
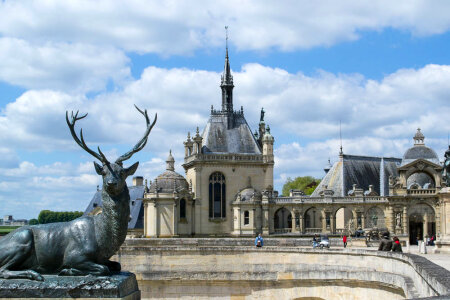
point(217, 203)
point(182, 209)
point(246, 217)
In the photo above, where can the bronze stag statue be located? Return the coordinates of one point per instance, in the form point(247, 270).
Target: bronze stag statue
point(84, 245)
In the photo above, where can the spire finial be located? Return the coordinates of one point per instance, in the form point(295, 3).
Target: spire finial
point(226, 37)
point(170, 162)
point(340, 137)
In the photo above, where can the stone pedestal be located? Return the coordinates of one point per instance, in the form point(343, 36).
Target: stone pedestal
point(443, 241)
point(119, 286)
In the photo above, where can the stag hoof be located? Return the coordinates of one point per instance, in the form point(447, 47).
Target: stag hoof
point(35, 276)
point(70, 272)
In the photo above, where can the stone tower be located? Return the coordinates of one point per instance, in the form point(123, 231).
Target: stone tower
point(221, 161)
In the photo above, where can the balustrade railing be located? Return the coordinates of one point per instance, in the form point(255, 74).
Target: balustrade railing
point(283, 230)
point(421, 191)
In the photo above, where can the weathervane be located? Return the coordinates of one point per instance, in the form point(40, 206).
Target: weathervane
point(340, 136)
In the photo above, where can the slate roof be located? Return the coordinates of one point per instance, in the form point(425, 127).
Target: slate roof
point(229, 133)
point(420, 151)
point(360, 170)
point(168, 182)
point(136, 207)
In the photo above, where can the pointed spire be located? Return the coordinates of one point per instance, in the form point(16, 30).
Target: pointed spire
point(227, 81)
point(340, 139)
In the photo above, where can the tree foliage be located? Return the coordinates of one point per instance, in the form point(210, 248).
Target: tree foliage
point(307, 184)
point(48, 216)
point(33, 222)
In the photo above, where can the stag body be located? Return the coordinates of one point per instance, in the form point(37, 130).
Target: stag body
point(82, 246)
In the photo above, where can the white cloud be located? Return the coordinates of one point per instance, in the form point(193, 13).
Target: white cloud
point(171, 27)
point(378, 118)
point(64, 66)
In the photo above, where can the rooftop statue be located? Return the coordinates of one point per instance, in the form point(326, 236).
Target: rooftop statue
point(446, 168)
point(84, 245)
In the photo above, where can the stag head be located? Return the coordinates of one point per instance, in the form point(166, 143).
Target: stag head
point(113, 174)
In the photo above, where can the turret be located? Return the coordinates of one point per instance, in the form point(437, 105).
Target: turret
point(197, 142)
point(267, 142)
point(188, 145)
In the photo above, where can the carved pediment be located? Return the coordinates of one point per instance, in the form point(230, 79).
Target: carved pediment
point(420, 164)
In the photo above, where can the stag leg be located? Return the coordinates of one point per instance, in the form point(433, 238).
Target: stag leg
point(113, 266)
point(15, 250)
point(86, 268)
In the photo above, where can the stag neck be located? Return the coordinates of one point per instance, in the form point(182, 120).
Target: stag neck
point(112, 223)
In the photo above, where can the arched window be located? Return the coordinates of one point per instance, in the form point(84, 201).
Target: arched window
point(217, 203)
point(182, 209)
point(246, 217)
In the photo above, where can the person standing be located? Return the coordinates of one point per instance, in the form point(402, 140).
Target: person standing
point(396, 246)
point(259, 241)
point(386, 243)
point(344, 239)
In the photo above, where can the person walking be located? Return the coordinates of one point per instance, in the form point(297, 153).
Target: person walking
point(344, 239)
point(385, 243)
point(396, 246)
point(259, 241)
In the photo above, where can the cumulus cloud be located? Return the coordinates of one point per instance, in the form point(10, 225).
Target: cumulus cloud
point(60, 65)
point(169, 28)
point(379, 117)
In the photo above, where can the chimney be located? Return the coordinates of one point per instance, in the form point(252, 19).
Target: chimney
point(138, 181)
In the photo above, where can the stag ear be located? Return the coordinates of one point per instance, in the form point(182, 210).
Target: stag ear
point(130, 170)
point(98, 168)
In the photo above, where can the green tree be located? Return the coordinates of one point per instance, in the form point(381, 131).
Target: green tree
point(48, 216)
point(33, 222)
point(307, 184)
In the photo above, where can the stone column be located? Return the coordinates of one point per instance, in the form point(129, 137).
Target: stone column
point(293, 221)
point(145, 218)
point(390, 219)
point(265, 221)
point(363, 220)
point(302, 225)
point(252, 219)
point(443, 241)
point(425, 227)
point(332, 223)
point(324, 221)
point(193, 218)
point(174, 220)
point(405, 220)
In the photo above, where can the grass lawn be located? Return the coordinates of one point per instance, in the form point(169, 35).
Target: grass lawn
point(7, 229)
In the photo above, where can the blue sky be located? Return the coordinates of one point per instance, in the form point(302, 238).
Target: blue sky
point(382, 69)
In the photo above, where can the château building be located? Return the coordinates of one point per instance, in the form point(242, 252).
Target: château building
point(227, 188)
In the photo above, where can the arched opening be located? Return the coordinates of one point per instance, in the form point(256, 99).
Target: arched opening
point(420, 180)
point(313, 220)
point(246, 217)
point(375, 218)
point(344, 221)
point(217, 200)
point(283, 220)
point(422, 223)
point(182, 209)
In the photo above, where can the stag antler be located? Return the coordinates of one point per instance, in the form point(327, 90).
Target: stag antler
point(141, 144)
point(101, 157)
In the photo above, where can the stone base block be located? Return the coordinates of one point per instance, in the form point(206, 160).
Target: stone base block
point(358, 242)
point(121, 285)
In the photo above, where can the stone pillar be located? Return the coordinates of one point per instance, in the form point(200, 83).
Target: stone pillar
point(293, 221)
point(265, 221)
point(443, 241)
point(332, 223)
point(302, 224)
point(425, 227)
point(390, 219)
point(324, 221)
point(193, 218)
point(405, 220)
point(363, 220)
point(236, 221)
point(145, 219)
point(174, 220)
